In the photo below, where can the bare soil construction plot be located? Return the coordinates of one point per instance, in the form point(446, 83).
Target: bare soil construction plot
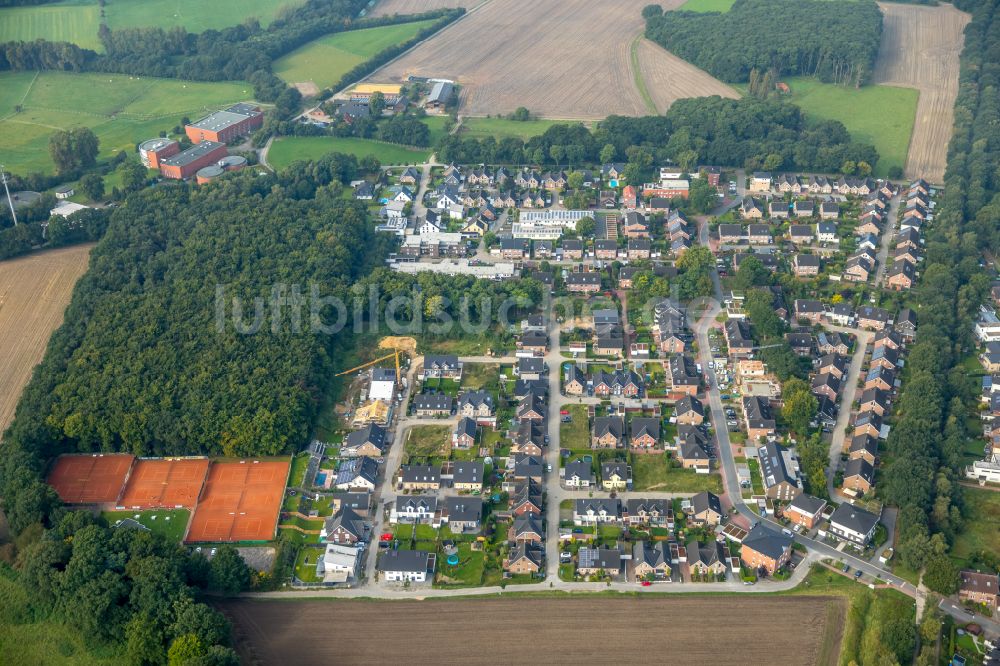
point(569, 59)
point(920, 49)
point(563, 630)
point(34, 293)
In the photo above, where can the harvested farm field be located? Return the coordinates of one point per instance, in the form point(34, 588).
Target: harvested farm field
point(469, 631)
point(390, 7)
point(920, 49)
point(34, 293)
point(570, 60)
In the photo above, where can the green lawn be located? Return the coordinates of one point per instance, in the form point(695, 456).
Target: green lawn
point(298, 472)
point(325, 60)
point(289, 149)
point(467, 573)
point(121, 110)
point(77, 21)
point(982, 524)
point(651, 472)
point(502, 128)
point(706, 6)
point(880, 115)
point(305, 563)
point(575, 435)
point(424, 441)
point(169, 523)
point(436, 125)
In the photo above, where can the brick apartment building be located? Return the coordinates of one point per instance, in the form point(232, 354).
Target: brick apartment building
point(224, 126)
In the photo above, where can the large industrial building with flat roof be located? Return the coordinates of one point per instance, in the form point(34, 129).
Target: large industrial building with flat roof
point(224, 126)
point(198, 156)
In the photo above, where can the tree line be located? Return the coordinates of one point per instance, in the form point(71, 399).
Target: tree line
point(242, 52)
point(924, 448)
point(752, 133)
point(833, 42)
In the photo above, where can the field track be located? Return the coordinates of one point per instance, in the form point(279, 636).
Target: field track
point(510, 630)
point(569, 59)
point(34, 293)
point(920, 49)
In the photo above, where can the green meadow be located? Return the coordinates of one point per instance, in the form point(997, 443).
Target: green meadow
point(77, 21)
point(706, 6)
point(880, 115)
point(286, 150)
point(324, 61)
point(501, 128)
point(121, 110)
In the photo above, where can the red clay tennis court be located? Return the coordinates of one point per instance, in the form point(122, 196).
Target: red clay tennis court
point(241, 501)
point(90, 478)
point(165, 483)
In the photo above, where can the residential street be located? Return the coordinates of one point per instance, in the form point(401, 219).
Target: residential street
point(848, 393)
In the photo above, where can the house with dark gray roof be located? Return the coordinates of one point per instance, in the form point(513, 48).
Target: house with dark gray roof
point(595, 561)
point(359, 473)
point(432, 404)
point(413, 509)
point(368, 441)
point(597, 510)
point(577, 474)
point(345, 527)
point(764, 548)
point(853, 524)
point(706, 509)
point(413, 566)
point(463, 514)
point(779, 482)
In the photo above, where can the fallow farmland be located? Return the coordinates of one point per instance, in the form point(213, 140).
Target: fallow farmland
point(569, 60)
point(920, 49)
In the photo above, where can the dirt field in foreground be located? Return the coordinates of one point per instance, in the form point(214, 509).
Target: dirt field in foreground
point(920, 49)
point(568, 59)
point(653, 630)
point(34, 293)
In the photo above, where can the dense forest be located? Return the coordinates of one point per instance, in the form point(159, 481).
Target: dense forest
point(832, 41)
point(748, 132)
point(924, 449)
point(141, 366)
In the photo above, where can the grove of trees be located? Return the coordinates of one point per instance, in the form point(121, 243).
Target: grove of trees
point(926, 443)
point(832, 42)
point(751, 133)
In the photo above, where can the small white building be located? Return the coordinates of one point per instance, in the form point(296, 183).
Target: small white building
point(66, 208)
point(853, 524)
point(383, 385)
point(987, 325)
point(339, 564)
point(983, 471)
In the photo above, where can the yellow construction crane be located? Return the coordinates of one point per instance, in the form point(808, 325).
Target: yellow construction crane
point(394, 354)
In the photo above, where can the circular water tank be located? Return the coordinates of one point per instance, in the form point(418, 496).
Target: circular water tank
point(208, 173)
point(233, 162)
